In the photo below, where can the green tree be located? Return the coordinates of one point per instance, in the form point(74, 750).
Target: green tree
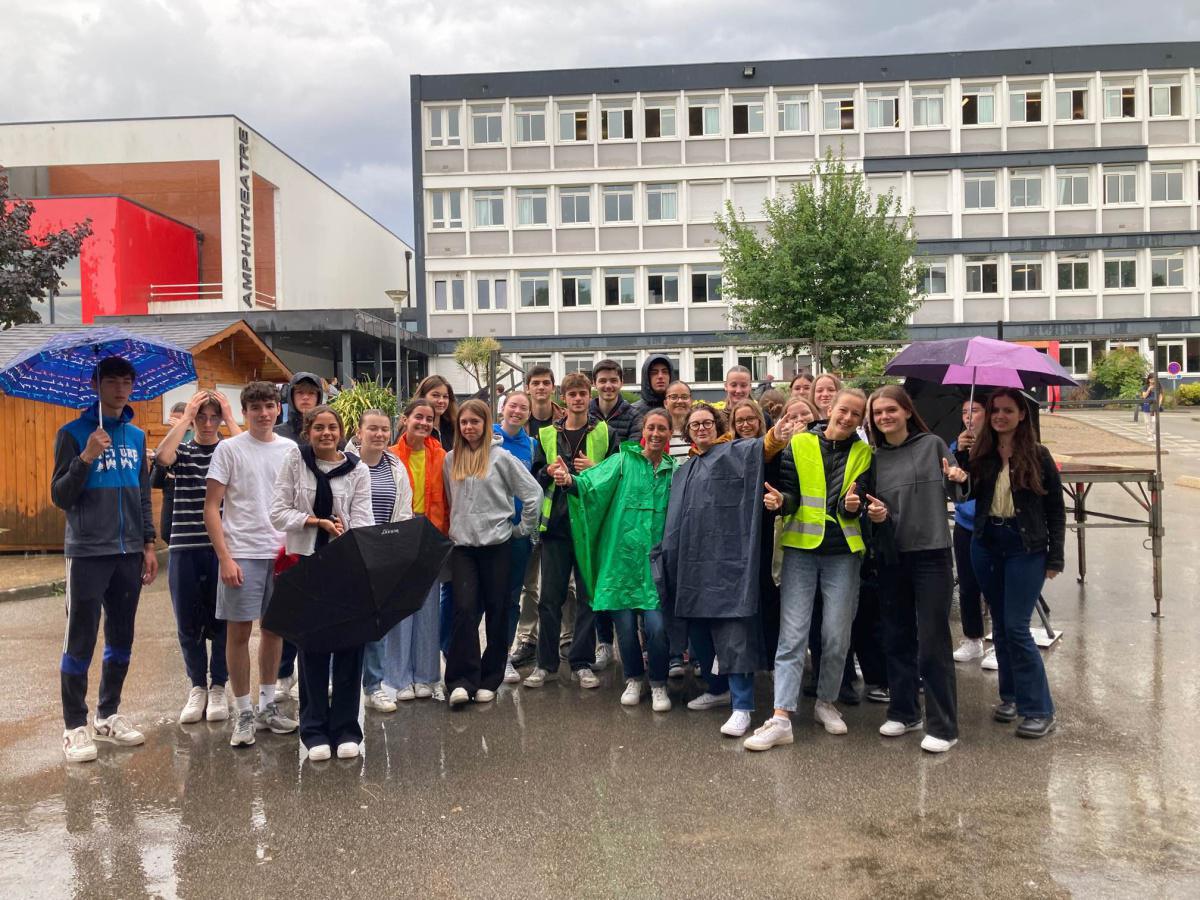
point(30, 264)
point(834, 264)
point(472, 353)
point(1121, 371)
point(359, 396)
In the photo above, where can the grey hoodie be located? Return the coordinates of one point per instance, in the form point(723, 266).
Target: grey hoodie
point(481, 509)
point(908, 479)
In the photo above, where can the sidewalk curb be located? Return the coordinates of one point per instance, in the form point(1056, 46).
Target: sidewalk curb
point(59, 585)
point(1188, 481)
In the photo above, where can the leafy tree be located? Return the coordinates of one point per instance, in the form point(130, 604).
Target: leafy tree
point(833, 264)
point(360, 396)
point(1121, 371)
point(30, 264)
point(472, 353)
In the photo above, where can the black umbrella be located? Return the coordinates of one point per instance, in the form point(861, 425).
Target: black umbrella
point(357, 587)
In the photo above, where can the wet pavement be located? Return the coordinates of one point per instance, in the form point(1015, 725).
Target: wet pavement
point(563, 792)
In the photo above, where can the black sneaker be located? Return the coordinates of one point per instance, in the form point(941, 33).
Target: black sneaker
point(1005, 712)
point(524, 653)
point(1036, 728)
point(879, 695)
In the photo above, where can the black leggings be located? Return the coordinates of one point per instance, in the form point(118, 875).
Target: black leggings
point(480, 590)
point(969, 595)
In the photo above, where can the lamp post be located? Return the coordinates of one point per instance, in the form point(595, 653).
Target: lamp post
point(399, 298)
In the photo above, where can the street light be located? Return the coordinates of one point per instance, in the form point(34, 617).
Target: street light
point(399, 298)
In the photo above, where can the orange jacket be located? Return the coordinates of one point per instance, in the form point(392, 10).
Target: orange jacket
point(435, 495)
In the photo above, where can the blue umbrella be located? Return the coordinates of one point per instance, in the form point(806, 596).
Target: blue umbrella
point(60, 371)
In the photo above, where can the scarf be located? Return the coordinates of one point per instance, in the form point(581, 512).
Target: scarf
point(323, 502)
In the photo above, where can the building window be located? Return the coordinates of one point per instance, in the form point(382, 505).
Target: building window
point(662, 202)
point(1119, 102)
point(979, 105)
point(928, 107)
point(535, 289)
point(1026, 275)
point(572, 124)
point(531, 206)
point(1073, 273)
point(629, 368)
point(837, 112)
point(660, 121)
point(1025, 105)
point(748, 116)
point(708, 368)
point(1025, 189)
point(487, 125)
point(1166, 100)
point(1166, 269)
point(706, 285)
point(1172, 352)
point(1120, 272)
point(793, 113)
point(933, 277)
point(445, 209)
point(491, 292)
point(575, 206)
point(1070, 104)
point(1166, 184)
point(443, 127)
point(1075, 358)
point(883, 109)
point(449, 294)
point(1120, 184)
point(1072, 187)
point(704, 116)
point(578, 362)
point(616, 124)
point(662, 286)
point(489, 209)
point(979, 190)
point(531, 124)
point(619, 287)
point(756, 364)
point(618, 203)
point(982, 275)
point(577, 287)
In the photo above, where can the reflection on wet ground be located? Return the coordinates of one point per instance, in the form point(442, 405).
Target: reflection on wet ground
point(563, 792)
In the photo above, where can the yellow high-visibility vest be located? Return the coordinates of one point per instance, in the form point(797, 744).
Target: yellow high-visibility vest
point(595, 448)
point(805, 528)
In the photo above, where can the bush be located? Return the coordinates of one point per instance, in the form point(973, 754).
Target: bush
point(1122, 372)
point(360, 396)
point(1188, 395)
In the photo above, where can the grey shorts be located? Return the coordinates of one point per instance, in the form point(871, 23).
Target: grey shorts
point(248, 602)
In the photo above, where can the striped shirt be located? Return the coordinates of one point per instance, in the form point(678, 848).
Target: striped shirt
point(187, 517)
point(383, 490)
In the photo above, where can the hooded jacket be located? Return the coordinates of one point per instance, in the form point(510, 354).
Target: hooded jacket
point(521, 447)
point(651, 400)
point(624, 421)
point(296, 491)
point(295, 423)
point(481, 508)
point(559, 525)
point(108, 502)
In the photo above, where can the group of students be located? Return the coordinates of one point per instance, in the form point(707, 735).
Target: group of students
point(711, 538)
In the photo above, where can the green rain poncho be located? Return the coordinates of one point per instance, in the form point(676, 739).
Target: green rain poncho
point(618, 509)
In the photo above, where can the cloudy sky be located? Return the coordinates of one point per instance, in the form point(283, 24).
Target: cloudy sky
point(328, 81)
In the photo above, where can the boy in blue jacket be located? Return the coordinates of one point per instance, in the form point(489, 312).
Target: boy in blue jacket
point(102, 481)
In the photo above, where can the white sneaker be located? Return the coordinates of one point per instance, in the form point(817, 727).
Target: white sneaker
point(604, 657)
point(78, 745)
point(660, 701)
point(827, 714)
point(892, 728)
point(483, 695)
point(193, 710)
point(347, 750)
point(218, 705)
point(379, 701)
point(632, 695)
point(243, 730)
point(117, 729)
point(408, 692)
point(511, 675)
point(969, 649)
point(737, 724)
point(319, 753)
point(423, 690)
point(538, 677)
point(587, 678)
point(709, 701)
point(459, 696)
point(771, 733)
point(288, 687)
point(989, 663)
point(931, 744)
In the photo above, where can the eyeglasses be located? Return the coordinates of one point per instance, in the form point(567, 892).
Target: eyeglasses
point(701, 425)
point(679, 396)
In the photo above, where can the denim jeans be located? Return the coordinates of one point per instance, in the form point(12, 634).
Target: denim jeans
point(445, 615)
point(410, 649)
point(1011, 579)
point(838, 577)
point(626, 622)
point(521, 549)
point(739, 684)
point(604, 627)
point(192, 576)
point(372, 676)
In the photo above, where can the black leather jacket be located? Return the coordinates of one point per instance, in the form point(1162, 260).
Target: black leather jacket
point(1041, 518)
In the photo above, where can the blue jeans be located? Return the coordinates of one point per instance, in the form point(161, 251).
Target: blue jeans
point(445, 615)
point(372, 674)
point(740, 684)
point(410, 650)
point(838, 575)
point(521, 549)
point(626, 622)
point(1011, 579)
point(604, 627)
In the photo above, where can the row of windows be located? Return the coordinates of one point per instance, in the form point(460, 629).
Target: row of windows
point(660, 203)
point(1029, 273)
point(1077, 358)
point(696, 367)
point(799, 111)
point(578, 288)
point(1117, 186)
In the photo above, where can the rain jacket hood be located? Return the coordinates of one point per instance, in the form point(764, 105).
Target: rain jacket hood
point(295, 424)
point(618, 512)
point(651, 400)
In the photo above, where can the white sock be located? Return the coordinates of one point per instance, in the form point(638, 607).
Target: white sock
point(785, 721)
point(266, 694)
point(243, 704)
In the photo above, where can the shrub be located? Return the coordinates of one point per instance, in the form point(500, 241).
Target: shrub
point(363, 395)
point(1188, 395)
point(1121, 371)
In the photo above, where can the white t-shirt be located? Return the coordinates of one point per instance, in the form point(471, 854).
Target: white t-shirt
point(248, 468)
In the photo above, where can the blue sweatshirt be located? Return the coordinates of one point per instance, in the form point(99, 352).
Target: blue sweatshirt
point(521, 447)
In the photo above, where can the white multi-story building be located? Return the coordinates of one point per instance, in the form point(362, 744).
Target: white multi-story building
point(1054, 189)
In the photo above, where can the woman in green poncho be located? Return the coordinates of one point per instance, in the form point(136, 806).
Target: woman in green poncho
point(618, 510)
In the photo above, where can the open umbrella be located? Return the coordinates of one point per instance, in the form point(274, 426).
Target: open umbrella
point(357, 587)
point(60, 370)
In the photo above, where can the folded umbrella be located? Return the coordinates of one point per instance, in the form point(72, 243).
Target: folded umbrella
point(356, 588)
